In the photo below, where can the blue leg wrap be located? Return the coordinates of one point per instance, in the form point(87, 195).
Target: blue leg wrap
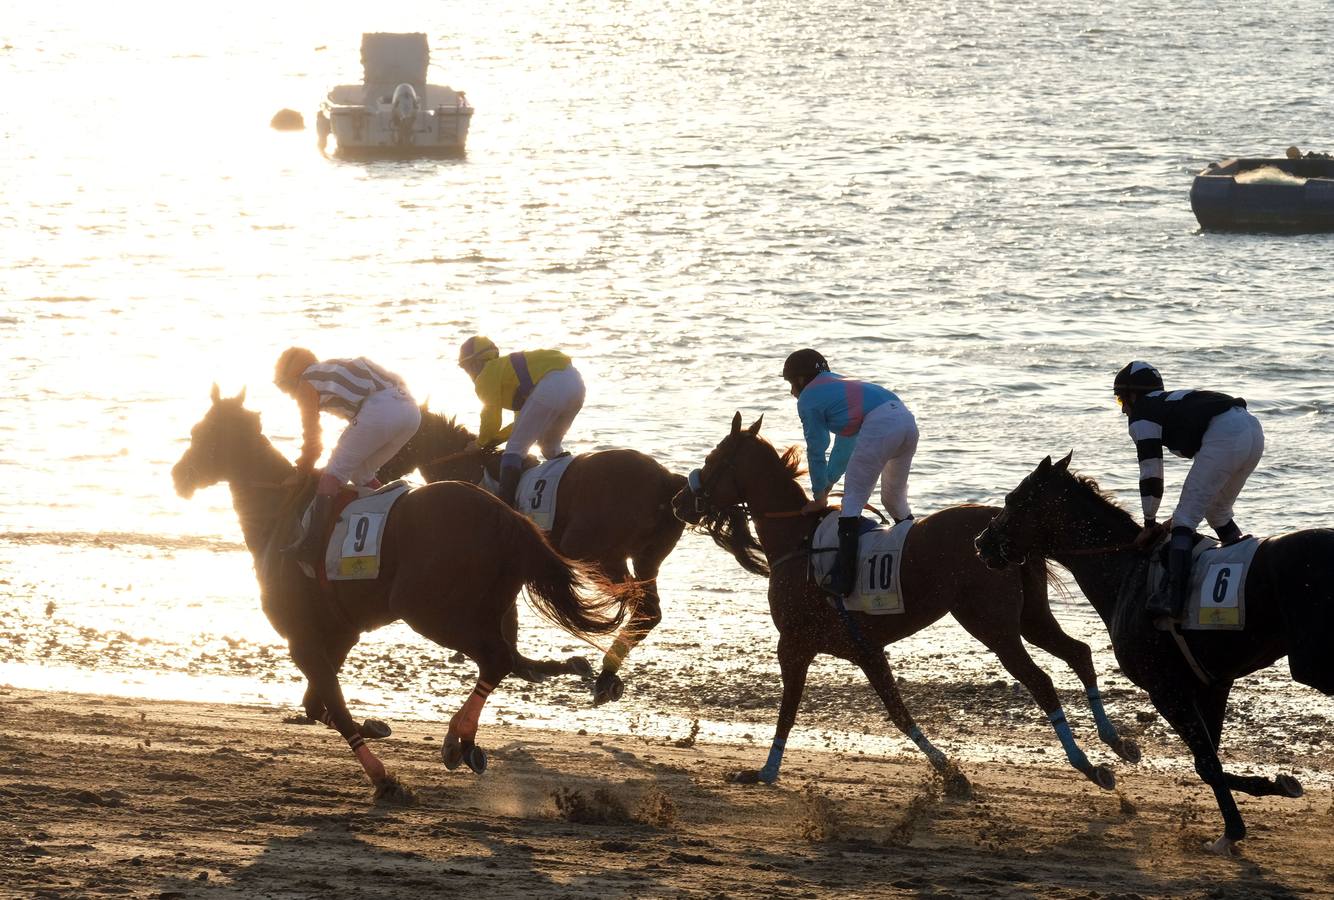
point(1072, 751)
point(769, 774)
point(1106, 730)
point(937, 758)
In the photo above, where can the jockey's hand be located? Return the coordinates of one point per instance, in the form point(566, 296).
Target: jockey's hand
point(1149, 535)
point(819, 504)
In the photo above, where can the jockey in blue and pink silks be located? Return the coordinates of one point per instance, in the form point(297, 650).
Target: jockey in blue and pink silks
point(875, 437)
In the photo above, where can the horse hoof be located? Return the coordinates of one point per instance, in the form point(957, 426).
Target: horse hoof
point(475, 757)
point(1224, 846)
point(375, 730)
point(608, 689)
point(390, 790)
point(1288, 786)
point(1127, 749)
point(1102, 776)
point(452, 752)
point(581, 667)
point(747, 776)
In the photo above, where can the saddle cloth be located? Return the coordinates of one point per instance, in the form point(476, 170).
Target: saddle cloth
point(879, 554)
point(536, 496)
point(1216, 600)
point(353, 552)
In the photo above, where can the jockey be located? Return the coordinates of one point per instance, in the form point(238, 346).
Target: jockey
point(875, 438)
point(382, 417)
point(1218, 433)
point(543, 388)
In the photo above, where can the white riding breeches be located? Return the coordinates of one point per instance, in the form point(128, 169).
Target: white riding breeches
point(1229, 453)
point(547, 414)
point(885, 447)
point(386, 421)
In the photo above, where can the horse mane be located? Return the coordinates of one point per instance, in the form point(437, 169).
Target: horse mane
point(791, 460)
point(1095, 493)
point(450, 423)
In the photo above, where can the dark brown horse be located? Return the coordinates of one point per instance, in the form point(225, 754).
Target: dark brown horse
point(614, 509)
point(453, 559)
point(1055, 514)
point(744, 478)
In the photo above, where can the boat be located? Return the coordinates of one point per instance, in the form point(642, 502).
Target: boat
point(394, 113)
point(1294, 194)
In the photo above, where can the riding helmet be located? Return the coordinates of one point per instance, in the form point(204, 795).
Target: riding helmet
point(1138, 376)
point(805, 363)
point(291, 363)
point(477, 347)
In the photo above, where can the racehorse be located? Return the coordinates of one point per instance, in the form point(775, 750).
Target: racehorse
point(1058, 515)
point(612, 506)
point(745, 478)
point(452, 562)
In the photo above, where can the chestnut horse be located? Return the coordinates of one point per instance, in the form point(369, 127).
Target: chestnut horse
point(452, 561)
point(745, 477)
point(1055, 514)
point(613, 506)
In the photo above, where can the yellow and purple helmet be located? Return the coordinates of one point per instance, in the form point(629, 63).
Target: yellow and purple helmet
point(477, 348)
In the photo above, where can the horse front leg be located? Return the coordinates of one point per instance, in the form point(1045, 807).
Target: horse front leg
point(794, 661)
point(336, 651)
point(324, 688)
point(647, 615)
point(535, 671)
point(876, 668)
point(1182, 713)
point(494, 663)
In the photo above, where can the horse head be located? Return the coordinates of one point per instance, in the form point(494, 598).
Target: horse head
point(715, 497)
point(221, 445)
point(1023, 527)
point(436, 437)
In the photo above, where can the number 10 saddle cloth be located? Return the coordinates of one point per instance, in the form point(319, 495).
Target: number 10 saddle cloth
point(879, 553)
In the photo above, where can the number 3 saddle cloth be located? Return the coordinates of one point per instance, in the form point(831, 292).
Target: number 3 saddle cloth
point(536, 496)
point(1217, 596)
point(879, 553)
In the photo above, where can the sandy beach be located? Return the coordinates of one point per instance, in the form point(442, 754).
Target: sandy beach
point(118, 797)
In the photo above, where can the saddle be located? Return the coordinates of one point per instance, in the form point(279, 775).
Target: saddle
point(879, 555)
point(1216, 597)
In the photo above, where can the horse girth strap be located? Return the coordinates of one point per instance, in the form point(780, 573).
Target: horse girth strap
point(1195, 665)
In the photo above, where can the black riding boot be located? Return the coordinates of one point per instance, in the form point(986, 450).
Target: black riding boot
point(1229, 533)
point(1172, 601)
point(509, 484)
point(309, 548)
point(844, 574)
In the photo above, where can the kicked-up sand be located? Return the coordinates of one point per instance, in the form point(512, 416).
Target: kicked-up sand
point(108, 797)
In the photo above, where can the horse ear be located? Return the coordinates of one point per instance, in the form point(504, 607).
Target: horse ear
point(240, 398)
point(426, 403)
point(755, 426)
point(736, 423)
point(1064, 462)
point(1045, 466)
point(216, 394)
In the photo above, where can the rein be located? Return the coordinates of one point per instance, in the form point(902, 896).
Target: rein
point(1095, 551)
point(449, 458)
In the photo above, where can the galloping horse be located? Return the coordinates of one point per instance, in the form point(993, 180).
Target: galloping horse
point(613, 506)
point(744, 475)
point(453, 560)
point(1055, 514)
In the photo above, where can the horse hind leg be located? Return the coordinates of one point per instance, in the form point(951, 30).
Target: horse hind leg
point(1212, 703)
point(536, 671)
point(1002, 639)
point(876, 668)
point(1039, 627)
point(494, 662)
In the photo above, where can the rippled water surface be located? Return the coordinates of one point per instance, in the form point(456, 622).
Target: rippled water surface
point(982, 206)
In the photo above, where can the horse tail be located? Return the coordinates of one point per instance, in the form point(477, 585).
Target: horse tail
point(574, 595)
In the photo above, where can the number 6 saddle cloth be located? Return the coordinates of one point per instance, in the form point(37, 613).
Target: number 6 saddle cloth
point(536, 496)
point(1216, 600)
point(879, 553)
point(353, 551)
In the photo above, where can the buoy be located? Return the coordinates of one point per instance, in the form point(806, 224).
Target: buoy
point(287, 120)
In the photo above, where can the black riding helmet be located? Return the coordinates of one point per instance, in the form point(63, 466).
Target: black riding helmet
point(805, 363)
point(1138, 376)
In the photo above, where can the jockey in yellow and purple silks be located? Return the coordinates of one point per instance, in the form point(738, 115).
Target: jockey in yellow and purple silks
point(875, 439)
point(543, 388)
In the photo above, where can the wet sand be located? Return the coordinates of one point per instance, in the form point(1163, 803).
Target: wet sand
point(116, 797)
